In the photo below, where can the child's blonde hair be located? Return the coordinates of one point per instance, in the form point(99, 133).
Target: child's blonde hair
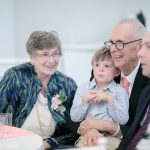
point(102, 53)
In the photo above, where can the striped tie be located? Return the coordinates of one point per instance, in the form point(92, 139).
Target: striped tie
point(138, 136)
point(126, 84)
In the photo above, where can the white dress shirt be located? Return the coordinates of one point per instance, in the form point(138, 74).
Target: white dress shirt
point(45, 119)
point(131, 77)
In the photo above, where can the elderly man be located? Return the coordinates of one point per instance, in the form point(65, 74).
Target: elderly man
point(124, 45)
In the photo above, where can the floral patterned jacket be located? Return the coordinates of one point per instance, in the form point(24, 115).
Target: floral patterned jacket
point(19, 88)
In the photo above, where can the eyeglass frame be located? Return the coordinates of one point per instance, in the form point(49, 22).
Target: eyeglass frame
point(119, 41)
point(55, 55)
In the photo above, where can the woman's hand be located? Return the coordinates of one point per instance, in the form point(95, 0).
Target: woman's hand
point(46, 146)
point(90, 137)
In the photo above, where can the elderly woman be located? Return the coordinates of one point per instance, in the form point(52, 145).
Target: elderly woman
point(37, 94)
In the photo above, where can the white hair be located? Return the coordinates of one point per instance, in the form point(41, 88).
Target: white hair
point(140, 30)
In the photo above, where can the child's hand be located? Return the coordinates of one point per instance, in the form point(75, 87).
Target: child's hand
point(102, 96)
point(89, 96)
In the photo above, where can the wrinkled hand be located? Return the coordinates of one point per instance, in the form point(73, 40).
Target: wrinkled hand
point(91, 136)
point(87, 124)
point(99, 124)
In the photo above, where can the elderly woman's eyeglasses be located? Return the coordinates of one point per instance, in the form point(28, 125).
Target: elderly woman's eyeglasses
point(118, 44)
point(46, 55)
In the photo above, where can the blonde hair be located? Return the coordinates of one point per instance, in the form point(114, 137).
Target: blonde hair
point(102, 53)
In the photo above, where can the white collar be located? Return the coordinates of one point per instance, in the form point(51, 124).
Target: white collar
point(132, 75)
point(42, 100)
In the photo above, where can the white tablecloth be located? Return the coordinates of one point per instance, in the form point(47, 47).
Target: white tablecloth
point(29, 141)
point(144, 144)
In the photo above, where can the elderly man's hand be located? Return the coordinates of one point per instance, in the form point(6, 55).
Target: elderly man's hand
point(99, 124)
point(91, 136)
point(87, 124)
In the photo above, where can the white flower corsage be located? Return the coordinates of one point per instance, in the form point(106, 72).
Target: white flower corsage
point(57, 102)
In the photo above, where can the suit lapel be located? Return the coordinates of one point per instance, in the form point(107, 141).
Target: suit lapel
point(144, 102)
point(138, 86)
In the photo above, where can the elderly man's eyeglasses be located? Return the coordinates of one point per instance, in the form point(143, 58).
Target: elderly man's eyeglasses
point(46, 55)
point(118, 44)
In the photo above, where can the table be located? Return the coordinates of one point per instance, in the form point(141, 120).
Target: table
point(144, 144)
point(20, 139)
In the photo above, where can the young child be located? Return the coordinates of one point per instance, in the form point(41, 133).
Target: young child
point(101, 97)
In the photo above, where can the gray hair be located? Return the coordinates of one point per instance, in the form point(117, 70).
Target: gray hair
point(40, 40)
point(139, 28)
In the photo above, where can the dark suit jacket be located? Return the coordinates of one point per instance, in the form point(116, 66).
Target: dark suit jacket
point(142, 106)
point(140, 83)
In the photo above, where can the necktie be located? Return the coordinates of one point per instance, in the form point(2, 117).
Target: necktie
point(126, 84)
point(138, 136)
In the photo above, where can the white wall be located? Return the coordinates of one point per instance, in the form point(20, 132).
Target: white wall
point(7, 33)
point(83, 25)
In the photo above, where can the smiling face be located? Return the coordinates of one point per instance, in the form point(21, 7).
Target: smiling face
point(104, 71)
point(144, 55)
point(126, 59)
point(45, 62)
